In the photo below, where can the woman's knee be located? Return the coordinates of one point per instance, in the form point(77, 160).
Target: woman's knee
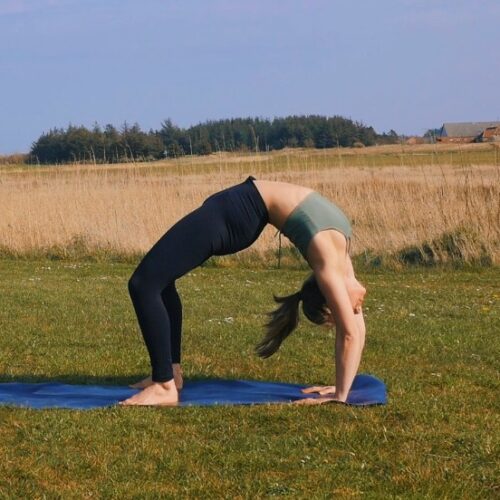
point(144, 281)
point(140, 284)
point(135, 283)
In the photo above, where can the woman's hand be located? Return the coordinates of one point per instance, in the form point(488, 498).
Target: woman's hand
point(320, 389)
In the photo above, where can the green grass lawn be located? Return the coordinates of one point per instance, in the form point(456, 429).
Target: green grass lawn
point(432, 337)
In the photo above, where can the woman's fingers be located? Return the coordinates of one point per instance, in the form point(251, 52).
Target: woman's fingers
point(328, 390)
point(320, 389)
point(310, 390)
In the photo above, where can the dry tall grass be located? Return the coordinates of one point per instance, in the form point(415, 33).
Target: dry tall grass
point(447, 210)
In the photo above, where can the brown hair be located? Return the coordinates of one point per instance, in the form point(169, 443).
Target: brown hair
point(283, 320)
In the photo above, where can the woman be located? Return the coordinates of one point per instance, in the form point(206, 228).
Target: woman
point(226, 223)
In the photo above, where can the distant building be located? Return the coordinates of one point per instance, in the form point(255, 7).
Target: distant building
point(490, 134)
point(466, 132)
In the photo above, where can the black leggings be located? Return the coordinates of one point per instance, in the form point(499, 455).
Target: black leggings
point(226, 223)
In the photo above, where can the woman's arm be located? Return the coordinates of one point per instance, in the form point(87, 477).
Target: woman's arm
point(349, 339)
point(332, 267)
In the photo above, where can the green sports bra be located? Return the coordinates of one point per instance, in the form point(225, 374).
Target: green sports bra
point(312, 215)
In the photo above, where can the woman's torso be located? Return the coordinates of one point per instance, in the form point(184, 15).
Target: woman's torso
point(305, 217)
point(281, 198)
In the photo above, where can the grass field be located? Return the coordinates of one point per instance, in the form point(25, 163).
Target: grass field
point(432, 336)
point(70, 237)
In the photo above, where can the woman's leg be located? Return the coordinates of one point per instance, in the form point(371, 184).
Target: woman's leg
point(173, 305)
point(185, 246)
point(225, 223)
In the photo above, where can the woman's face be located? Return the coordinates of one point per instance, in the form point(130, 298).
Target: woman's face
point(356, 292)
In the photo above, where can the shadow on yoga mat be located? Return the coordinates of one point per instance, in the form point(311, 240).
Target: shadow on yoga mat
point(366, 390)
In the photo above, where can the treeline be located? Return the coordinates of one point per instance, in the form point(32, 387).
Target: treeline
point(129, 143)
point(99, 145)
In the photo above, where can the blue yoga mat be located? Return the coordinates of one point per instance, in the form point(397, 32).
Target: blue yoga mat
point(366, 390)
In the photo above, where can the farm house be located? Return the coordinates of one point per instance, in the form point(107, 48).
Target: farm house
point(468, 132)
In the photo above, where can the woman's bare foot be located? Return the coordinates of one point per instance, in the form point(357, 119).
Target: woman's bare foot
point(179, 382)
point(143, 383)
point(157, 394)
point(149, 381)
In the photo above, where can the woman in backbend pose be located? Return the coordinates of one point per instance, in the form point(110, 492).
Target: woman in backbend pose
point(226, 223)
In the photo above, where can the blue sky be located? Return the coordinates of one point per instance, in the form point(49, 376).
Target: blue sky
point(402, 64)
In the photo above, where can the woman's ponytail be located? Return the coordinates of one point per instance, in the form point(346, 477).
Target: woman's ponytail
point(282, 322)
